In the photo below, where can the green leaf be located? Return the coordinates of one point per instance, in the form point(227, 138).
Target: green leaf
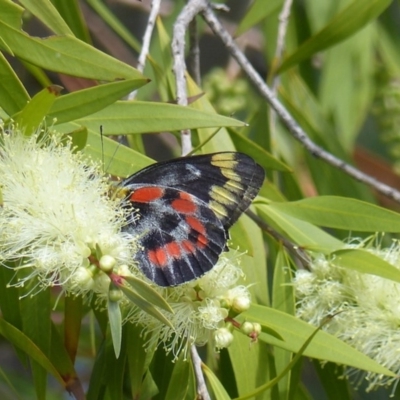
point(259, 10)
point(13, 95)
point(78, 139)
point(62, 362)
point(148, 293)
point(347, 22)
point(32, 115)
point(138, 354)
point(365, 262)
point(88, 101)
point(130, 117)
point(115, 318)
point(119, 160)
point(300, 232)
point(222, 140)
point(144, 304)
point(108, 17)
point(248, 237)
point(324, 346)
point(36, 323)
point(23, 342)
point(73, 315)
point(342, 213)
point(216, 386)
point(247, 360)
point(64, 54)
point(181, 381)
point(47, 13)
point(263, 157)
point(71, 13)
point(283, 300)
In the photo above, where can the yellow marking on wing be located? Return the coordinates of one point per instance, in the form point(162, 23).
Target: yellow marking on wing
point(222, 195)
point(234, 186)
point(218, 208)
point(223, 157)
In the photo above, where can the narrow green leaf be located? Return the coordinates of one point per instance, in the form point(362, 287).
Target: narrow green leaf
point(247, 360)
point(300, 232)
point(342, 213)
point(137, 356)
point(113, 375)
point(222, 140)
point(62, 362)
point(324, 346)
point(283, 373)
point(263, 157)
point(71, 13)
point(47, 13)
point(115, 318)
point(130, 117)
point(73, 314)
point(64, 54)
point(78, 138)
point(108, 17)
point(283, 299)
point(248, 237)
point(347, 22)
point(365, 262)
point(23, 342)
point(84, 102)
point(13, 95)
point(181, 381)
point(148, 293)
point(32, 115)
point(259, 10)
point(144, 305)
point(36, 324)
point(216, 386)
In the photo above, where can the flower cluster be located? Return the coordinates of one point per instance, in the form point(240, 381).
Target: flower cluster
point(59, 227)
point(204, 310)
point(56, 220)
point(366, 307)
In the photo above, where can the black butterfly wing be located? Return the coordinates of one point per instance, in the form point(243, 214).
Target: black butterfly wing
point(179, 237)
point(227, 182)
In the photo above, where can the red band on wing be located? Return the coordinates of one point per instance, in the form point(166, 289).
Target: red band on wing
point(188, 246)
point(146, 194)
point(202, 241)
point(196, 225)
point(158, 257)
point(173, 249)
point(184, 204)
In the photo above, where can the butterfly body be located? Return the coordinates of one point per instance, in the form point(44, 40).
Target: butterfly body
point(186, 207)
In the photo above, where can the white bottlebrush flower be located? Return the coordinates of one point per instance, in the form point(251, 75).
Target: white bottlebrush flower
point(58, 226)
point(366, 308)
point(202, 309)
point(56, 219)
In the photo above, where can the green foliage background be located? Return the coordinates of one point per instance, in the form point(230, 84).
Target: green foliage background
point(339, 79)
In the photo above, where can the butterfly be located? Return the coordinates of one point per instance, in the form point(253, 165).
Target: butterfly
point(186, 207)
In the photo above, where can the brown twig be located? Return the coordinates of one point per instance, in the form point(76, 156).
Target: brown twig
point(155, 9)
point(191, 9)
point(293, 127)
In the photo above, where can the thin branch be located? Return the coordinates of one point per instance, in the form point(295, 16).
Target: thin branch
point(202, 392)
point(285, 116)
point(280, 47)
point(191, 9)
point(297, 251)
point(155, 9)
point(194, 52)
point(280, 42)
